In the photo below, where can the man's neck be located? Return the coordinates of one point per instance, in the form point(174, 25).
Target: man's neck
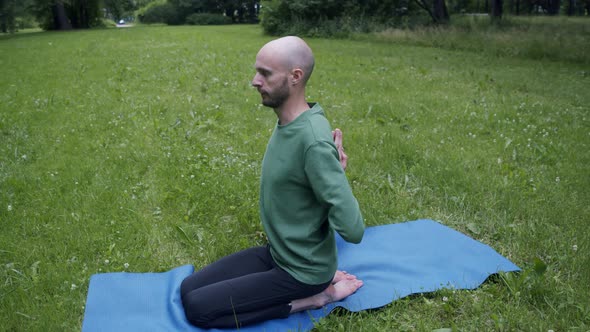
point(290, 110)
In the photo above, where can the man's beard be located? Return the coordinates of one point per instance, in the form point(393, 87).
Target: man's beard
point(278, 97)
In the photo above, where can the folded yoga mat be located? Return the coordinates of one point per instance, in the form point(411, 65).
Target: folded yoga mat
point(392, 260)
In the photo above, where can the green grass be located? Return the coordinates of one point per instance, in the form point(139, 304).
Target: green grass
point(139, 150)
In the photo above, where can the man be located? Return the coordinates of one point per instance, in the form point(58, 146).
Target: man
point(304, 198)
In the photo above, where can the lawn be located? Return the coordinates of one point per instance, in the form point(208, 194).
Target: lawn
point(139, 150)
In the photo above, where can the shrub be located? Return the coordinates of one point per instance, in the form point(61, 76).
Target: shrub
point(106, 23)
point(160, 13)
point(208, 19)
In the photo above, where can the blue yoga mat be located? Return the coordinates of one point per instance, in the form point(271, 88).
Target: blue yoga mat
point(393, 261)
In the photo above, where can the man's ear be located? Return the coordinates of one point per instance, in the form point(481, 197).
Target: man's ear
point(296, 76)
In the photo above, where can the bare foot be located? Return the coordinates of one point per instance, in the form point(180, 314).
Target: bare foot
point(341, 275)
point(335, 292)
point(342, 289)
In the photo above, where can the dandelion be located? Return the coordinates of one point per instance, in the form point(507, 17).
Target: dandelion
point(126, 265)
point(106, 261)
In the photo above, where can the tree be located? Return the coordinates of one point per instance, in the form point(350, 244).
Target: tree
point(7, 16)
point(437, 9)
point(11, 12)
point(496, 10)
point(67, 14)
point(553, 7)
point(237, 10)
point(117, 9)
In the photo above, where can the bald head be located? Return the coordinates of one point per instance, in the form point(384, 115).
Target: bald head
point(293, 53)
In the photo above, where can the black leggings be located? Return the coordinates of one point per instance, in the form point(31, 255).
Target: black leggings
point(243, 288)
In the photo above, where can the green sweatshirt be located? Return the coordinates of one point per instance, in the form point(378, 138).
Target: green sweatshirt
point(305, 196)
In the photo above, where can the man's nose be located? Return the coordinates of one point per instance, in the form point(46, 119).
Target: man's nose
point(256, 81)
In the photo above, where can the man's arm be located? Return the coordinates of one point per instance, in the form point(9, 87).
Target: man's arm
point(328, 181)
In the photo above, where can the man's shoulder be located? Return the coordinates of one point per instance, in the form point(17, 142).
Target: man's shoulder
point(317, 116)
point(319, 127)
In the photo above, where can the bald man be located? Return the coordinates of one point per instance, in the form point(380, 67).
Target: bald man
point(304, 198)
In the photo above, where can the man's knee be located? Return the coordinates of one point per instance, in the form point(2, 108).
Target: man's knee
point(185, 287)
point(196, 310)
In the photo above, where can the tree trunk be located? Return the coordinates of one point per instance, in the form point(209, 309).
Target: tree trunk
point(60, 19)
point(441, 14)
point(83, 13)
point(517, 7)
point(438, 11)
point(229, 12)
point(496, 10)
point(571, 7)
point(553, 7)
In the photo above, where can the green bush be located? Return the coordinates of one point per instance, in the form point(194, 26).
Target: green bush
point(208, 19)
point(330, 18)
point(106, 23)
point(160, 13)
point(270, 17)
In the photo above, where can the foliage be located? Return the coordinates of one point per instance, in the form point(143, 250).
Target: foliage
point(237, 10)
point(14, 15)
point(336, 18)
point(208, 19)
point(118, 9)
point(67, 14)
point(161, 13)
point(140, 12)
point(332, 18)
point(7, 16)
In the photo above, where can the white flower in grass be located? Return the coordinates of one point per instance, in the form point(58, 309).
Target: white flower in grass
point(557, 179)
point(575, 247)
point(106, 261)
point(445, 299)
point(9, 208)
point(73, 286)
point(126, 265)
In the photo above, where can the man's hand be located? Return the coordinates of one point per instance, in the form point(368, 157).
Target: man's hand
point(337, 134)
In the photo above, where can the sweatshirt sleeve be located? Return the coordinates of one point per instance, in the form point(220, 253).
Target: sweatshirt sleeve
point(330, 186)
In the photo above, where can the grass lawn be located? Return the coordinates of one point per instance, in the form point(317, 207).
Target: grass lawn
point(139, 150)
